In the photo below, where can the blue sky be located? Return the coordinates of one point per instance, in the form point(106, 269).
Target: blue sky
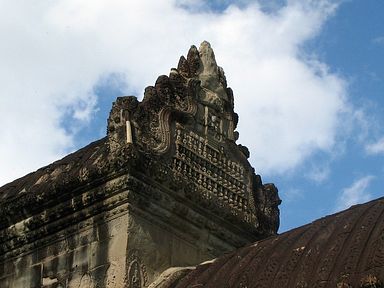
point(307, 76)
point(352, 44)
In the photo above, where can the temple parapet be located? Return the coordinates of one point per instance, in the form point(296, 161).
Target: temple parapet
point(167, 187)
point(187, 122)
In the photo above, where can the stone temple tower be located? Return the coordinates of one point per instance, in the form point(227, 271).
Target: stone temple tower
point(167, 187)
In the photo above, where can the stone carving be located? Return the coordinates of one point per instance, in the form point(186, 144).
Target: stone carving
point(136, 275)
point(170, 276)
point(170, 160)
point(371, 281)
point(324, 253)
point(197, 84)
point(86, 281)
point(221, 178)
point(187, 123)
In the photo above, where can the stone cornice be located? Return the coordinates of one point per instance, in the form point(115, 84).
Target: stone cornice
point(39, 197)
point(118, 194)
point(171, 158)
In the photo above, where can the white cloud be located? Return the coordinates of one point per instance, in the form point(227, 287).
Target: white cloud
point(355, 194)
point(54, 52)
point(292, 195)
point(375, 148)
point(319, 173)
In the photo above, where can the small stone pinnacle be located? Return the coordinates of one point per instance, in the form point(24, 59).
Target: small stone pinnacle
point(208, 59)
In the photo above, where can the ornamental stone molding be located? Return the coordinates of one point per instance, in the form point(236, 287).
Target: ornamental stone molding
point(168, 186)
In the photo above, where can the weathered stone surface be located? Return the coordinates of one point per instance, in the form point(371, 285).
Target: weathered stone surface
point(167, 187)
point(171, 277)
point(342, 250)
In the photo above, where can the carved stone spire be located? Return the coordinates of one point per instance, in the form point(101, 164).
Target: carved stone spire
point(167, 187)
point(187, 122)
point(196, 90)
point(211, 76)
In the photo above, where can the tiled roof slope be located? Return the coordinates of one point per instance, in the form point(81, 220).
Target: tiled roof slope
point(341, 250)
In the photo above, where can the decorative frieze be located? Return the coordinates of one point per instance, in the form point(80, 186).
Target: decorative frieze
point(216, 175)
point(170, 162)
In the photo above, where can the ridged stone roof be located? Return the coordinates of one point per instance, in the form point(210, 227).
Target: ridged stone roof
point(62, 170)
point(341, 250)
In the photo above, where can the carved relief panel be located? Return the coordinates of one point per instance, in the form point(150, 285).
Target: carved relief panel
point(219, 178)
point(187, 122)
point(136, 274)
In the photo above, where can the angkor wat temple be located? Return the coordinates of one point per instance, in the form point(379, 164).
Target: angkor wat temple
point(168, 199)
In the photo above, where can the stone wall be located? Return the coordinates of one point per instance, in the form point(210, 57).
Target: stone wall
point(167, 187)
point(90, 253)
point(123, 241)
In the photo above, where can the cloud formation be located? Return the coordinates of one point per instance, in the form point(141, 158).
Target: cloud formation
point(355, 194)
point(54, 53)
point(319, 173)
point(375, 148)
